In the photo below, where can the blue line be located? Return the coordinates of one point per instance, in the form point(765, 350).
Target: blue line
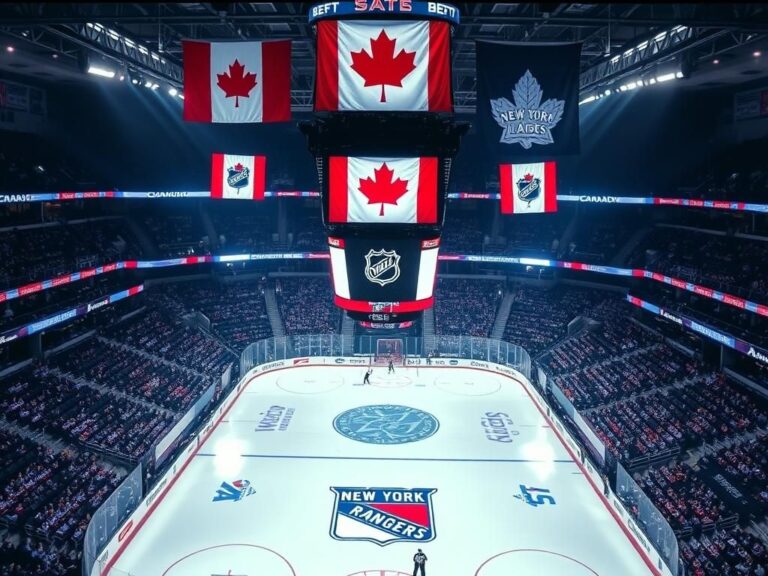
point(286, 457)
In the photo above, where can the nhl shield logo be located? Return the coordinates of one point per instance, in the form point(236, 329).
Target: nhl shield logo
point(382, 267)
point(383, 515)
point(237, 176)
point(528, 188)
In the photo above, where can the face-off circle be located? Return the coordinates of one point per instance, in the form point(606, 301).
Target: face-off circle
point(309, 384)
point(385, 424)
point(232, 560)
point(379, 573)
point(533, 562)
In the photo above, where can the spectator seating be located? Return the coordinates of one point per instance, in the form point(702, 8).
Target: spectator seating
point(43, 252)
point(465, 306)
point(237, 311)
point(306, 305)
point(732, 552)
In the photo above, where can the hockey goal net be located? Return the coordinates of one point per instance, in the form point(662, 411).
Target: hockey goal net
point(389, 349)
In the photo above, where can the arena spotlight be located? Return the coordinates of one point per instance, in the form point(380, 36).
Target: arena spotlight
point(10, 49)
point(148, 84)
point(757, 53)
point(172, 91)
point(100, 71)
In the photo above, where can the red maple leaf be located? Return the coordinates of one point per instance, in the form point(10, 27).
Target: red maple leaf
point(382, 66)
point(238, 167)
point(236, 83)
point(383, 190)
point(528, 177)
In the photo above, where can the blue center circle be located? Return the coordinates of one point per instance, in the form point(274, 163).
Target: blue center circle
point(385, 424)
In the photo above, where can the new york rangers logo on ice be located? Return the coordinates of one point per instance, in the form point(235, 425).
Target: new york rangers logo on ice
point(383, 515)
point(234, 492)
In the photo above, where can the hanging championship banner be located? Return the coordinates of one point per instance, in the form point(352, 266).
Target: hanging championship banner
point(528, 99)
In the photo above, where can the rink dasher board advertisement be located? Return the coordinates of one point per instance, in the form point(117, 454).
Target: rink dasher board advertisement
point(132, 525)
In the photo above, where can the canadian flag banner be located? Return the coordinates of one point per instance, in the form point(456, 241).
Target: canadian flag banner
point(380, 65)
point(528, 188)
point(237, 81)
point(382, 190)
point(236, 177)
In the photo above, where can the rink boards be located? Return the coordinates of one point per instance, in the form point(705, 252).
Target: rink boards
point(304, 471)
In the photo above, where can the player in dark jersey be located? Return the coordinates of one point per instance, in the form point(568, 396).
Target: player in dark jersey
point(391, 368)
point(419, 559)
point(366, 378)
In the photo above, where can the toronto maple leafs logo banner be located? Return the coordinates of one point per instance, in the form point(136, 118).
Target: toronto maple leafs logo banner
point(237, 81)
point(527, 99)
point(383, 66)
point(382, 190)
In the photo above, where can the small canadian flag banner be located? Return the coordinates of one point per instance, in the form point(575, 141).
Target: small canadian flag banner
point(382, 190)
point(383, 66)
point(235, 177)
point(237, 81)
point(528, 188)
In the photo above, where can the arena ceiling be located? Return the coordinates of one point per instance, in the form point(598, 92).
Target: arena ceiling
point(714, 44)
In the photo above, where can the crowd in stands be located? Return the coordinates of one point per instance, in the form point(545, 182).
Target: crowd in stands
point(179, 233)
point(43, 252)
point(466, 307)
point(540, 317)
point(617, 378)
point(154, 332)
point(81, 414)
point(725, 552)
point(686, 502)
point(745, 466)
point(734, 264)
point(306, 305)
point(237, 311)
point(705, 409)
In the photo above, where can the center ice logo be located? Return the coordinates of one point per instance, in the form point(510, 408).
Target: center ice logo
point(234, 492)
point(383, 515)
point(535, 496)
point(386, 424)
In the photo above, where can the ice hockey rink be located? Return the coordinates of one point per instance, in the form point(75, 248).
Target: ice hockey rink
point(310, 473)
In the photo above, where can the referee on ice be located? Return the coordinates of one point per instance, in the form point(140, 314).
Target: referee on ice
point(419, 559)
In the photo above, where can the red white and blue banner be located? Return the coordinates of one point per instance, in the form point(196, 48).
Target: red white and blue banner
point(528, 188)
point(66, 315)
point(755, 352)
point(237, 177)
point(23, 197)
point(383, 66)
point(724, 297)
point(382, 190)
point(237, 82)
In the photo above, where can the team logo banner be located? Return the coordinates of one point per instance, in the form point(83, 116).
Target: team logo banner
point(528, 188)
point(383, 515)
point(527, 98)
point(236, 177)
point(382, 190)
point(383, 66)
point(237, 81)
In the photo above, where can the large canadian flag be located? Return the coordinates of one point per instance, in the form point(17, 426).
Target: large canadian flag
point(237, 81)
point(528, 188)
point(236, 177)
point(383, 66)
point(382, 190)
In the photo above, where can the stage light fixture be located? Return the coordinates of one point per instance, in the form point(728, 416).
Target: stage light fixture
point(172, 91)
point(10, 49)
point(99, 71)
